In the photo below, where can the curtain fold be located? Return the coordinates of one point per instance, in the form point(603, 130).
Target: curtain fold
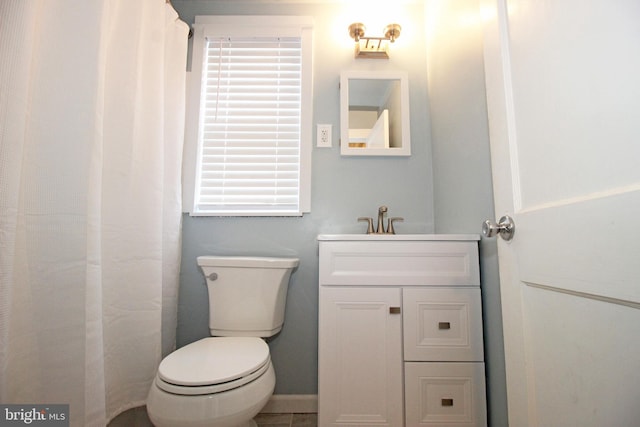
point(91, 125)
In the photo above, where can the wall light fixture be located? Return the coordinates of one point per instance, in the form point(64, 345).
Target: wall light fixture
point(373, 47)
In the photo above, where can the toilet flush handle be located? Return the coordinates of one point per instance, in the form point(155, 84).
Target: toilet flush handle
point(213, 276)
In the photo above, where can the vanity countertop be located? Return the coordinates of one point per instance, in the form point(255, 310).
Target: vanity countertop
point(398, 237)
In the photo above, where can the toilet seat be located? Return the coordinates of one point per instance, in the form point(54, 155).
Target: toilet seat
point(213, 365)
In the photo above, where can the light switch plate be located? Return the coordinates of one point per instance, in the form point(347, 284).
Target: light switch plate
point(323, 136)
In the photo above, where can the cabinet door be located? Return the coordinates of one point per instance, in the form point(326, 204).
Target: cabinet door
point(443, 325)
point(360, 357)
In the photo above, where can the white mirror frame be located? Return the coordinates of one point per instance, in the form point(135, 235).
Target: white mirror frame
point(405, 149)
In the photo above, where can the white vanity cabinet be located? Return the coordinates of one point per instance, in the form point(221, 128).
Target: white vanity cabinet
point(400, 331)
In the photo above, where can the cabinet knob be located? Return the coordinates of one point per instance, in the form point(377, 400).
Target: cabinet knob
point(447, 402)
point(444, 325)
point(394, 310)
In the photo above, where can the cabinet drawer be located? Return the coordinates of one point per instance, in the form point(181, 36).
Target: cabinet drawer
point(442, 325)
point(450, 394)
point(404, 263)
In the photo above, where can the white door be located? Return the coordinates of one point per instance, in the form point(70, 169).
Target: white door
point(563, 93)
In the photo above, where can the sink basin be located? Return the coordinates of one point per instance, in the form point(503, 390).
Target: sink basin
point(399, 237)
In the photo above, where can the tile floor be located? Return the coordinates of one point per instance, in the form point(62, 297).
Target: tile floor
point(287, 420)
point(137, 417)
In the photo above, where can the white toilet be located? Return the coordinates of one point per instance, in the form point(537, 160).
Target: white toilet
point(225, 380)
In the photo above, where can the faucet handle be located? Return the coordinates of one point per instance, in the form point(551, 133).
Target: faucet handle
point(390, 229)
point(370, 224)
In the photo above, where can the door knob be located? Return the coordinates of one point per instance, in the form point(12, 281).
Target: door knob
point(505, 228)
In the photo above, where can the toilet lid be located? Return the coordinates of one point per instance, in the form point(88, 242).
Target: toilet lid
point(214, 360)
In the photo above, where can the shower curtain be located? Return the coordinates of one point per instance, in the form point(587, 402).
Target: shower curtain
point(91, 126)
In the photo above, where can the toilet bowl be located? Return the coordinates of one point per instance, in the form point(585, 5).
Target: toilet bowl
point(216, 382)
point(224, 381)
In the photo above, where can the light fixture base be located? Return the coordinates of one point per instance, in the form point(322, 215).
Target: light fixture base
point(372, 48)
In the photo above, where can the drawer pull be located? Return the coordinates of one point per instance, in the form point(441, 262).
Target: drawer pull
point(394, 310)
point(444, 325)
point(447, 402)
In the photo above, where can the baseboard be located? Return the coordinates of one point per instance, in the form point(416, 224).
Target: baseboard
point(291, 404)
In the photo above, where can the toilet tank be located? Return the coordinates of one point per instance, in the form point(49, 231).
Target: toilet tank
point(247, 295)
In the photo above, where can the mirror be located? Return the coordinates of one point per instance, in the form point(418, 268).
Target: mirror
point(374, 113)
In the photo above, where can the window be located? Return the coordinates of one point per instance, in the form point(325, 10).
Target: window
point(254, 118)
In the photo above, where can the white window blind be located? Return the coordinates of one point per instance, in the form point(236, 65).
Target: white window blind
point(250, 127)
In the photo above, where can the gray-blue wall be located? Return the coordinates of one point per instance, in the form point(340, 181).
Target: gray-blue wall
point(463, 195)
point(343, 188)
point(443, 187)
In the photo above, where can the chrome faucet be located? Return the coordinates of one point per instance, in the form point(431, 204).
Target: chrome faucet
point(381, 211)
point(380, 230)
